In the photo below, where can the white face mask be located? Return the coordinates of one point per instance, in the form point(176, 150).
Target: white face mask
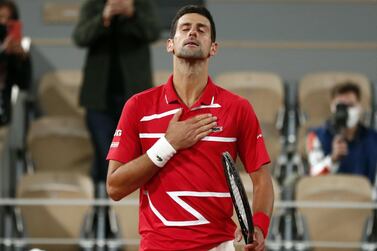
point(353, 116)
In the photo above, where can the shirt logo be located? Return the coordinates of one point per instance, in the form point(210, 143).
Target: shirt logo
point(114, 145)
point(217, 129)
point(118, 133)
point(259, 136)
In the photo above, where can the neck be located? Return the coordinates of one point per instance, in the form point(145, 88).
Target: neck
point(190, 79)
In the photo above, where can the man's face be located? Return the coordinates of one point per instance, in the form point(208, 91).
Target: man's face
point(349, 99)
point(192, 39)
point(353, 108)
point(4, 15)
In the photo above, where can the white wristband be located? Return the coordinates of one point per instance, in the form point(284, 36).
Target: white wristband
point(161, 152)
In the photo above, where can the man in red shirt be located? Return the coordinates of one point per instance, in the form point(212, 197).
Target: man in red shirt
point(169, 142)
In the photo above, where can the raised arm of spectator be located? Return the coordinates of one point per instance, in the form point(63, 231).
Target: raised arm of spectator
point(90, 26)
point(144, 25)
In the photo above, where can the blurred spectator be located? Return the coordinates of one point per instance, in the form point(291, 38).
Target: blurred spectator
point(15, 66)
point(117, 34)
point(343, 144)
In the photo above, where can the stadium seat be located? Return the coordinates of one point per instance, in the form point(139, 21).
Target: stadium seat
point(314, 98)
point(257, 87)
point(334, 224)
point(160, 77)
point(60, 143)
point(54, 221)
point(58, 93)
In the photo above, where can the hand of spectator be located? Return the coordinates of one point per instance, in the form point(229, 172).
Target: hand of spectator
point(184, 134)
point(339, 148)
point(125, 7)
point(258, 243)
point(117, 7)
point(13, 47)
point(107, 14)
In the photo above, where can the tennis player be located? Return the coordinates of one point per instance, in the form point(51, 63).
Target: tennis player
point(169, 143)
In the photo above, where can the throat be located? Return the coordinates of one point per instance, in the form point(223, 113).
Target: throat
point(190, 101)
point(189, 88)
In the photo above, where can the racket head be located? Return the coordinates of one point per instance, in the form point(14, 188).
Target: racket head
point(239, 198)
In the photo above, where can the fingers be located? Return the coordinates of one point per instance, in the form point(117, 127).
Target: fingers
point(198, 118)
point(205, 130)
point(106, 16)
point(251, 246)
point(339, 139)
point(176, 116)
point(185, 133)
point(339, 147)
point(238, 235)
point(201, 120)
point(202, 135)
point(255, 246)
point(109, 11)
point(342, 151)
point(260, 246)
point(204, 126)
point(258, 240)
point(342, 147)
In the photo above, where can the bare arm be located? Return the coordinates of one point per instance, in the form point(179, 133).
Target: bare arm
point(124, 178)
point(263, 192)
point(135, 173)
point(263, 200)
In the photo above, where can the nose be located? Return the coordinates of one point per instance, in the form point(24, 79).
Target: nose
point(193, 33)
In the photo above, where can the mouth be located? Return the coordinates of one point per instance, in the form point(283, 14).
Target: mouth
point(191, 43)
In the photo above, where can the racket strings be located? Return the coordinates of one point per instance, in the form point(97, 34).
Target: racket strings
point(238, 200)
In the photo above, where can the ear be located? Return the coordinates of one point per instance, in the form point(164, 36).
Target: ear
point(170, 46)
point(213, 50)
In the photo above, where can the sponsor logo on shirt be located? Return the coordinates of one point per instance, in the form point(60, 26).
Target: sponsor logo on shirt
point(217, 129)
point(114, 145)
point(118, 133)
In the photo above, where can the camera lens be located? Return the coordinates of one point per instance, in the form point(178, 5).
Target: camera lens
point(340, 117)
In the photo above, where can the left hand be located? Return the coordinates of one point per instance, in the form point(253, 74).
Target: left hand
point(122, 7)
point(13, 47)
point(258, 243)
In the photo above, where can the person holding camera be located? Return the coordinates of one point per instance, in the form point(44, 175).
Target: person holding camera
point(15, 64)
point(343, 144)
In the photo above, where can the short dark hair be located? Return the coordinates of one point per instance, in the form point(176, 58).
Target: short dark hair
point(346, 87)
point(12, 7)
point(198, 9)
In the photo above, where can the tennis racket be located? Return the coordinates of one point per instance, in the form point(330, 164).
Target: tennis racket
point(239, 198)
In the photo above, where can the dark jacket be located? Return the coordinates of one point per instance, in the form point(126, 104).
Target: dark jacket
point(14, 70)
point(133, 36)
point(362, 150)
